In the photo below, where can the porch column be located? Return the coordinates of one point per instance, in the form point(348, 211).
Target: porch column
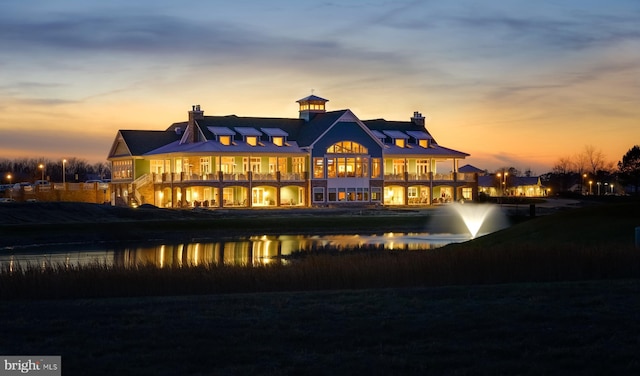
point(250, 190)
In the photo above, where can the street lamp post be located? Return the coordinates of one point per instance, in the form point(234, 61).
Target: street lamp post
point(64, 161)
point(611, 188)
point(10, 187)
point(598, 188)
point(502, 180)
point(590, 185)
point(41, 167)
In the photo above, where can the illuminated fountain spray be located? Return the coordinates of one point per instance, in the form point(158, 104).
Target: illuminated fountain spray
point(473, 215)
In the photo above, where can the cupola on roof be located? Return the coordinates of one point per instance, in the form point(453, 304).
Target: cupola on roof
point(310, 106)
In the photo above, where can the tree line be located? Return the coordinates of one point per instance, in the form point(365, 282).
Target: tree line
point(587, 172)
point(32, 169)
point(591, 172)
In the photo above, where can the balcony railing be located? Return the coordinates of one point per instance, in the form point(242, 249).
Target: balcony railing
point(215, 177)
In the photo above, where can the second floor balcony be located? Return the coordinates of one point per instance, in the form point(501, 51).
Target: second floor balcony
point(219, 176)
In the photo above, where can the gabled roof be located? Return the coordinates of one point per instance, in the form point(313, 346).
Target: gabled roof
point(309, 132)
point(141, 142)
point(470, 169)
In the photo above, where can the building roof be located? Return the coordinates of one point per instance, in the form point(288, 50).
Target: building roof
point(396, 134)
point(312, 98)
point(470, 169)
point(141, 142)
point(514, 181)
point(299, 133)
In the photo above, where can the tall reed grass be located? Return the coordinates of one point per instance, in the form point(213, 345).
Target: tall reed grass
point(362, 268)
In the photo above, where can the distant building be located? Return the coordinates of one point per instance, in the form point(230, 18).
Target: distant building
point(319, 158)
point(498, 185)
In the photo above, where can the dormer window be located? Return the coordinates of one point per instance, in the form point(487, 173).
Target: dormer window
point(252, 140)
point(276, 136)
point(399, 138)
point(225, 140)
point(422, 138)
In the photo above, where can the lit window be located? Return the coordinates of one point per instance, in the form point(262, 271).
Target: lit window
point(252, 140)
point(278, 141)
point(376, 194)
point(347, 147)
point(318, 168)
point(400, 142)
point(423, 143)
point(375, 167)
point(225, 140)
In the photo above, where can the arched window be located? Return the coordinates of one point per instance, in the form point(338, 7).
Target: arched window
point(347, 147)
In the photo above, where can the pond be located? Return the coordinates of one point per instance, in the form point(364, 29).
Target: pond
point(252, 250)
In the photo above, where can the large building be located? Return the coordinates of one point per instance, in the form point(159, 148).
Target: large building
point(319, 158)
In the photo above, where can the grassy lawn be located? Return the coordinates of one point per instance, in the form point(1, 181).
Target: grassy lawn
point(554, 295)
point(577, 328)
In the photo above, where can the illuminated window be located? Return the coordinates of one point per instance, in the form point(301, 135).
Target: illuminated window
point(347, 147)
point(423, 143)
point(278, 141)
point(400, 142)
point(318, 168)
point(225, 140)
point(252, 140)
point(298, 165)
point(376, 194)
point(375, 167)
point(467, 193)
point(331, 168)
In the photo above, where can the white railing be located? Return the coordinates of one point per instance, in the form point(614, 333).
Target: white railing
point(291, 176)
point(263, 177)
point(443, 177)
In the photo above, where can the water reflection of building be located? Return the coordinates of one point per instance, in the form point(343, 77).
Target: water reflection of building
point(320, 158)
point(255, 250)
point(260, 250)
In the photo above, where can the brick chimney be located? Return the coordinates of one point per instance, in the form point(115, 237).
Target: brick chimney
point(191, 131)
point(417, 119)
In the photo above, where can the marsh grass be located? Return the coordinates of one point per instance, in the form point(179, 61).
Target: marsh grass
point(360, 268)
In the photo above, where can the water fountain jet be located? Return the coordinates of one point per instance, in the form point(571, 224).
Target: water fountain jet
point(473, 215)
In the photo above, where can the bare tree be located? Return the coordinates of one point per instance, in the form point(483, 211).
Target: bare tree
point(563, 166)
point(594, 159)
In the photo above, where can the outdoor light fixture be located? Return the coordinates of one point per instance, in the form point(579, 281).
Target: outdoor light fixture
point(41, 167)
point(64, 161)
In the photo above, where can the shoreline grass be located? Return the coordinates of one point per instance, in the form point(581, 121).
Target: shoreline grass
point(364, 268)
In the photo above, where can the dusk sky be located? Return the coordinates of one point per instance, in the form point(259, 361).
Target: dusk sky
point(513, 83)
